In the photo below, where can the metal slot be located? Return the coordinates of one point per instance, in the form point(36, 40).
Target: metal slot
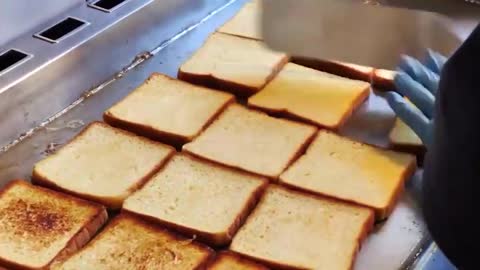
point(107, 5)
point(62, 30)
point(12, 58)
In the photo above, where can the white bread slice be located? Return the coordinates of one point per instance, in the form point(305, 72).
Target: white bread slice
point(128, 243)
point(246, 23)
point(339, 167)
point(313, 96)
point(102, 164)
point(38, 225)
point(230, 261)
point(198, 198)
point(189, 109)
point(289, 229)
point(352, 71)
point(238, 65)
point(252, 141)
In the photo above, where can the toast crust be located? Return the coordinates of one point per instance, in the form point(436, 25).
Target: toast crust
point(367, 227)
point(383, 80)
point(111, 202)
point(78, 240)
point(220, 239)
point(335, 68)
point(209, 253)
point(239, 90)
point(241, 262)
point(176, 140)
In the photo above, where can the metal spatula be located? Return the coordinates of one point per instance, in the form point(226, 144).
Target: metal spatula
point(372, 33)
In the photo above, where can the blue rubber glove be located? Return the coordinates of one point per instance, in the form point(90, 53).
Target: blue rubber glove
point(419, 83)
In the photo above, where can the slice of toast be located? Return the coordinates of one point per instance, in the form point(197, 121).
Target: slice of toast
point(316, 97)
point(252, 141)
point(102, 164)
point(230, 261)
point(246, 23)
point(383, 79)
point(289, 229)
point(190, 108)
point(198, 198)
point(339, 167)
point(402, 138)
point(38, 225)
point(128, 243)
point(348, 70)
point(238, 65)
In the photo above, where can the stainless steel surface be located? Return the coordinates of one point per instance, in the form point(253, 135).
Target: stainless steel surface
point(77, 88)
point(44, 53)
point(64, 81)
point(338, 30)
point(18, 17)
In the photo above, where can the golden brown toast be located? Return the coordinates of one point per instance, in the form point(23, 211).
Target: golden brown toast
point(341, 168)
point(252, 141)
point(167, 109)
point(313, 96)
point(102, 164)
point(38, 226)
point(230, 261)
point(383, 79)
point(198, 198)
point(238, 65)
point(292, 230)
point(129, 243)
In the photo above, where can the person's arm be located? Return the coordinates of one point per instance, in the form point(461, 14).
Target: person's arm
point(449, 129)
point(453, 161)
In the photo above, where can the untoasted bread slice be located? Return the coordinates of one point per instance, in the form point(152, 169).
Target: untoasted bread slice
point(338, 167)
point(352, 71)
point(238, 65)
point(198, 198)
point(293, 230)
point(383, 79)
point(103, 164)
point(38, 225)
point(252, 141)
point(189, 109)
point(230, 261)
point(246, 23)
point(128, 243)
point(314, 96)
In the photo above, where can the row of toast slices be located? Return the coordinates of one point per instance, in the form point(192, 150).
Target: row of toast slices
point(230, 187)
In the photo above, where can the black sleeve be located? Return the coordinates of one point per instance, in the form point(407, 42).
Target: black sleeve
point(452, 166)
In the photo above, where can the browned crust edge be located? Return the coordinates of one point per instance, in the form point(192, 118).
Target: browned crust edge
point(367, 228)
point(109, 202)
point(333, 68)
point(176, 140)
point(77, 241)
point(213, 239)
point(252, 265)
point(383, 84)
point(418, 150)
point(239, 90)
point(209, 252)
point(285, 113)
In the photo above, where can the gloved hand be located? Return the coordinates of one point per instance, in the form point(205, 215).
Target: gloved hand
point(419, 83)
